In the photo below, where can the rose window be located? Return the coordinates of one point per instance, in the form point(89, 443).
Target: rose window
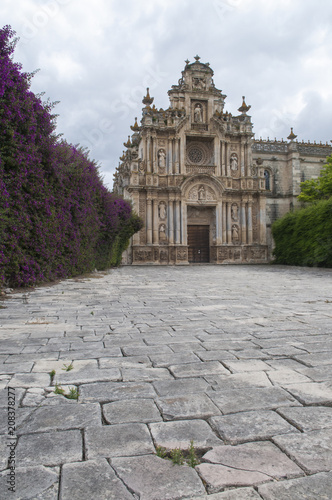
point(195, 155)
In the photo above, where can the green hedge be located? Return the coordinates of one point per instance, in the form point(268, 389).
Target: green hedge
point(304, 237)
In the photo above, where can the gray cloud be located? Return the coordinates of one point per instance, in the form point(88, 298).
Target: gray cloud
point(98, 58)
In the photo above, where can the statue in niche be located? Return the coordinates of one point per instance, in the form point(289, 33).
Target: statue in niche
point(235, 210)
point(162, 233)
point(235, 233)
point(198, 113)
point(162, 210)
point(201, 193)
point(234, 162)
point(161, 158)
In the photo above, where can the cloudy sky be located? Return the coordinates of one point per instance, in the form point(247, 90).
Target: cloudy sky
point(97, 58)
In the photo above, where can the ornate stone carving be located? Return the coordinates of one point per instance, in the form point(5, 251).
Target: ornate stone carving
point(257, 253)
point(223, 253)
point(234, 162)
point(235, 233)
point(163, 255)
point(237, 254)
point(213, 253)
point(143, 255)
point(196, 154)
point(162, 210)
point(200, 169)
point(162, 234)
point(235, 212)
point(162, 160)
point(142, 166)
point(199, 83)
point(198, 113)
point(181, 254)
point(199, 153)
point(201, 193)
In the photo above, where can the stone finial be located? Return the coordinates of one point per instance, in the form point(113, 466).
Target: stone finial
point(128, 143)
point(244, 108)
point(147, 100)
point(187, 62)
point(197, 58)
point(135, 127)
point(292, 136)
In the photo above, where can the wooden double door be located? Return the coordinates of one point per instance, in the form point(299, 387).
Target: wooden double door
point(198, 243)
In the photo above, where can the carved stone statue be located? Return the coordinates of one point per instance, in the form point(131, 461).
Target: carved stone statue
point(198, 114)
point(162, 210)
point(235, 233)
point(235, 212)
point(162, 233)
point(234, 162)
point(201, 193)
point(161, 158)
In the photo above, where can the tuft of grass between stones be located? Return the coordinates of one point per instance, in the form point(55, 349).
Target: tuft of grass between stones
point(179, 457)
point(73, 392)
point(52, 375)
point(67, 368)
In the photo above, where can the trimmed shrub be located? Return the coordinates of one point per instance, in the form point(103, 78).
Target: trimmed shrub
point(304, 238)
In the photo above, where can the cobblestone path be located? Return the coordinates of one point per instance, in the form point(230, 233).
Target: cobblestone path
point(237, 359)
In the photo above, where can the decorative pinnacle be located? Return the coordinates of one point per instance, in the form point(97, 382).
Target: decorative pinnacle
point(187, 61)
point(135, 127)
point(147, 100)
point(197, 58)
point(244, 108)
point(291, 136)
point(128, 143)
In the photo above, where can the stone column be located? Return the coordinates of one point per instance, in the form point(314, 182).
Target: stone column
point(243, 224)
point(148, 153)
point(177, 223)
point(170, 157)
point(217, 150)
point(184, 240)
point(182, 146)
point(170, 222)
point(250, 223)
point(242, 159)
point(177, 158)
point(224, 223)
point(229, 222)
point(222, 160)
point(219, 223)
point(155, 232)
point(154, 154)
point(227, 165)
point(262, 220)
point(149, 221)
point(135, 198)
point(248, 159)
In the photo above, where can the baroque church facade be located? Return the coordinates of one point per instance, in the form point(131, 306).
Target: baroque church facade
point(206, 190)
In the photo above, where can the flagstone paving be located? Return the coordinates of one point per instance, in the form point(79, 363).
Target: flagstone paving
point(233, 360)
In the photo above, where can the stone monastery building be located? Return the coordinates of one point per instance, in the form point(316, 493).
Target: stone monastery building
point(206, 190)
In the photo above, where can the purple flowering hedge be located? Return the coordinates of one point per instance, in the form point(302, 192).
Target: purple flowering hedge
point(57, 219)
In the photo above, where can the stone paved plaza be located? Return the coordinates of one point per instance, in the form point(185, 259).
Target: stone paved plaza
point(237, 359)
